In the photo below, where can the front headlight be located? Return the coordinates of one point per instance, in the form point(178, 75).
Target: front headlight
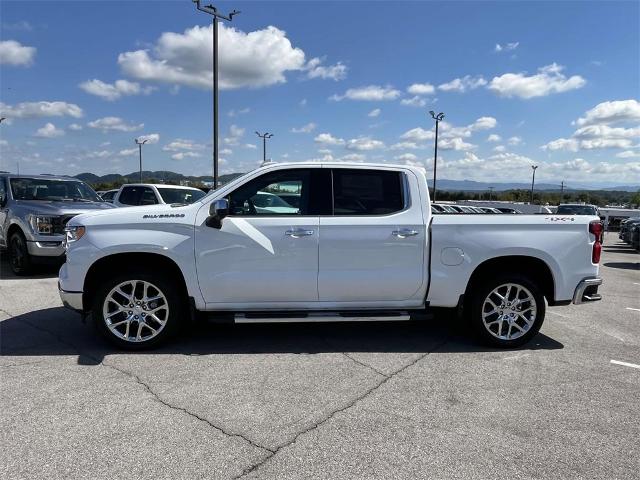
point(73, 233)
point(42, 224)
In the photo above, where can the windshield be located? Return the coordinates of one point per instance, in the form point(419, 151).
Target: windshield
point(44, 189)
point(180, 195)
point(576, 210)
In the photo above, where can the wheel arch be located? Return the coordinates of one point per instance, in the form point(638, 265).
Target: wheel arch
point(537, 270)
point(153, 262)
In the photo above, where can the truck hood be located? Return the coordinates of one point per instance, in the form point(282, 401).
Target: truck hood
point(138, 215)
point(63, 208)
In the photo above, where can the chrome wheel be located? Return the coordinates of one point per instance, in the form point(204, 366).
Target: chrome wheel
point(509, 311)
point(135, 311)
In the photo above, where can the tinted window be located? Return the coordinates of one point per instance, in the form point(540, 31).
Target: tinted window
point(576, 210)
point(3, 190)
point(108, 196)
point(260, 195)
point(366, 192)
point(148, 197)
point(130, 196)
point(180, 195)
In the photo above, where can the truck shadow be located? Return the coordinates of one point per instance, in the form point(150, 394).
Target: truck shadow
point(44, 270)
point(623, 265)
point(59, 332)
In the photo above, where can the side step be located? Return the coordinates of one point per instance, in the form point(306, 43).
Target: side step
point(312, 317)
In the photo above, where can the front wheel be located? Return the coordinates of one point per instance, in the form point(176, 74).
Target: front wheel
point(507, 311)
point(21, 262)
point(138, 310)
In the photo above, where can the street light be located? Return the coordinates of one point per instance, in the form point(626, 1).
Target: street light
point(140, 150)
point(264, 137)
point(533, 181)
point(213, 11)
point(438, 118)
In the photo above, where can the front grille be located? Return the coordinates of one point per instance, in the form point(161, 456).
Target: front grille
point(61, 222)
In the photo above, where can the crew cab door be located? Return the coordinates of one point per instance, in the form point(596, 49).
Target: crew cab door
point(266, 251)
point(372, 248)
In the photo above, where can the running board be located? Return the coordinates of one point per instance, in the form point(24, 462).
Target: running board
point(302, 317)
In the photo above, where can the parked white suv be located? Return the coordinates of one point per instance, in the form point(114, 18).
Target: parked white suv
point(361, 244)
point(136, 194)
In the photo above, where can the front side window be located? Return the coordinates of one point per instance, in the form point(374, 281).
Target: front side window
point(52, 190)
point(367, 192)
point(262, 195)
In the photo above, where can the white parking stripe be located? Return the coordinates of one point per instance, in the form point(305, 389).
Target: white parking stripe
point(634, 309)
point(625, 364)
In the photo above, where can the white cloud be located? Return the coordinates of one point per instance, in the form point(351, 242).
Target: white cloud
point(325, 151)
point(183, 155)
point(364, 143)
point(494, 138)
point(234, 113)
point(514, 141)
point(421, 89)
point(75, 127)
point(415, 101)
point(234, 136)
point(308, 128)
point(328, 139)
point(507, 47)
point(255, 59)
point(369, 93)
point(182, 144)
point(117, 124)
point(547, 81)
point(150, 138)
point(499, 148)
point(49, 131)
point(454, 144)
point(463, 84)
point(250, 146)
point(303, 102)
point(483, 123)
point(15, 54)
point(418, 134)
point(570, 144)
point(315, 69)
point(114, 91)
point(226, 151)
point(611, 112)
point(352, 157)
point(374, 113)
point(127, 152)
point(405, 146)
point(628, 154)
point(40, 109)
point(406, 157)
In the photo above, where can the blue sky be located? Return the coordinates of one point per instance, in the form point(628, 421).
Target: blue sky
point(554, 84)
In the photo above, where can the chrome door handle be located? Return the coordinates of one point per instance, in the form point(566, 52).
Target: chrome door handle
point(404, 232)
point(298, 232)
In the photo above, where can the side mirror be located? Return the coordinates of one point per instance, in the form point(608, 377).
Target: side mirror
point(217, 211)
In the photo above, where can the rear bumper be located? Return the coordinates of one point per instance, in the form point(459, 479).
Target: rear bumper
point(587, 291)
point(72, 300)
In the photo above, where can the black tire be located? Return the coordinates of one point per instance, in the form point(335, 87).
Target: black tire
point(176, 313)
point(21, 261)
point(515, 313)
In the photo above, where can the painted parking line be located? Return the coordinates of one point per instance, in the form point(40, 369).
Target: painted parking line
point(625, 364)
point(634, 309)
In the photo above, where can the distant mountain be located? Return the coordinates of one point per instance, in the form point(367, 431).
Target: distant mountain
point(443, 184)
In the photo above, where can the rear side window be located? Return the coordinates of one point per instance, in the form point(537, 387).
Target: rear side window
point(367, 192)
point(148, 197)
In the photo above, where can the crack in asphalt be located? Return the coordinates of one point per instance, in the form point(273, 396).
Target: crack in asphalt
point(155, 395)
point(366, 365)
point(331, 415)
point(184, 410)
point(2, 310)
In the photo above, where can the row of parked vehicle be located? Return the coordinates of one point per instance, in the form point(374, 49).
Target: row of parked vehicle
point(630, 232)
point(443, 208)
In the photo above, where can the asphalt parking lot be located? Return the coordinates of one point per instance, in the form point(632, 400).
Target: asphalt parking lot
point(379, 400)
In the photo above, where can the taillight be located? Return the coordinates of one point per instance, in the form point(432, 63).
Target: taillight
point(597, 230)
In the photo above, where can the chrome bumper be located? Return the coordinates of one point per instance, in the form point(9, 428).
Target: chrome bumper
point(72, 300)
point(587, 291)
point(53, 248)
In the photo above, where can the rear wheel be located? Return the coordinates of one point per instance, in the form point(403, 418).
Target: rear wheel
point(21, 262)
point(507, 311)
point(138, 310)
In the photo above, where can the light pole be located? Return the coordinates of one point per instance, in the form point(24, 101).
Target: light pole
point(264, 137)
point(140, 151)
point(213, 11)
point(438, 118)
point(561, 190)
point(533, 181)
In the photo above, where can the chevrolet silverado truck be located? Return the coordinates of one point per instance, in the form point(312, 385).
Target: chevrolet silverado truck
point(359, 242)
point(34, 210)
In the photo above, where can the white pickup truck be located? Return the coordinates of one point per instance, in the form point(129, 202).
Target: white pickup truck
point(355, 242)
